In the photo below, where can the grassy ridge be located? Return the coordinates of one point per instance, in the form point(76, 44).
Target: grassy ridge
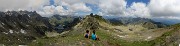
point(76, 38)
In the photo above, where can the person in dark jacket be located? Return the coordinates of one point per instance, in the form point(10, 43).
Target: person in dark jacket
point(87, 34)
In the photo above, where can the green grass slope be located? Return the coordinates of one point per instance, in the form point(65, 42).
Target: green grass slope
point(74, 37)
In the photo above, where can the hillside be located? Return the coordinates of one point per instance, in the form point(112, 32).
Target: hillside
point(61, 23)
point(21, 27)
point(42, 31)
point(110, 35)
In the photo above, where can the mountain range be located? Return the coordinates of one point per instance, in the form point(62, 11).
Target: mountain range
point(30, 28)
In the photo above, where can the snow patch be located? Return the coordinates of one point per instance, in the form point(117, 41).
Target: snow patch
point(3, 24)
point(10, 31)
point(27, 25)
point(28, 15)
point(23, 31)
point(5, 33)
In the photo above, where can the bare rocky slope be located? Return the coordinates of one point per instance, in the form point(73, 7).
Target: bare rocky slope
point(22, 27)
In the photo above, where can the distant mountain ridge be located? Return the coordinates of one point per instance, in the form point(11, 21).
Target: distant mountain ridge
point(21, 27)
point(139, 21)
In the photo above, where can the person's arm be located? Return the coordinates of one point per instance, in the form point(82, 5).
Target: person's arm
point(96, 35)
point(89, 34)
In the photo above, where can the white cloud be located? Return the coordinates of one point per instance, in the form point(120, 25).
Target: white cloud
point(72, 6)
point(61, 11)
point(91, 1)
point(80, 7)
point(169, 9)
point(154, 9)
point(138, 10)
point(113, 7)
point(44, 8)
point(52, 10)
point(166, 8)
point(75, 5)
point(119, 8)
point(21, 4)
point(47, 11)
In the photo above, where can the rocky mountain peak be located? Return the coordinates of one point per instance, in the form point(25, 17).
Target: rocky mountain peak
point(91, 22)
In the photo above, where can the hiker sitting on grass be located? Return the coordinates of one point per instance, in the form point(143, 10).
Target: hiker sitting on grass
point(86, 35)
point(94, 36)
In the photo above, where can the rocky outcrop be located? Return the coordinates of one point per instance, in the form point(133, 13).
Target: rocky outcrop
point(90, 22)
point(21, 27)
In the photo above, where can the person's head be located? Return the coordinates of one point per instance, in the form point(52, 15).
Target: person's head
point(87, 31)
point(94, 31)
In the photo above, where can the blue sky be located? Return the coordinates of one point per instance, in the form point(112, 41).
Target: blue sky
point(129, 2)
point(51, 2)
point(95, 8)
